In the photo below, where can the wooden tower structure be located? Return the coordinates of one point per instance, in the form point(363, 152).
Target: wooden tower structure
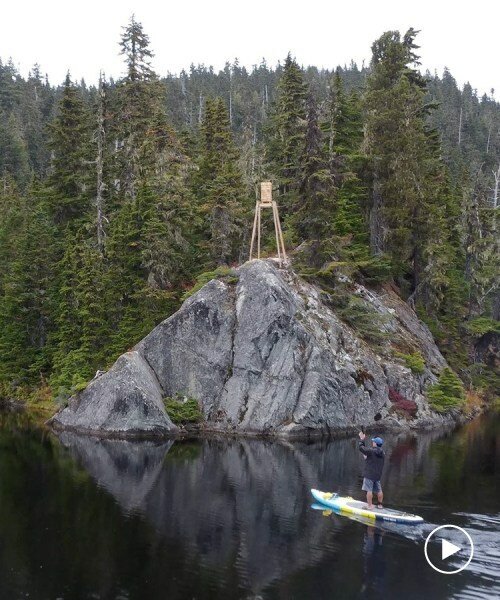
point(266, 201)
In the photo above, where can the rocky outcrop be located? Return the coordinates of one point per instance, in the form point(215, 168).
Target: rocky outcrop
point(264, 355)
point(127, 401)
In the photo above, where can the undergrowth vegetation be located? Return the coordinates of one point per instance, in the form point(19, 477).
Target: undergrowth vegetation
point(448, 393)
point(182, 410)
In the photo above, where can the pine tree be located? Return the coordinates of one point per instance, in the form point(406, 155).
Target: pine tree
point(138, 285)
point(482, 248)
point(348, 166)
point(70, 145)
point(314, 215)
point(25, 304)
point(141, 104)
point(406, 168)
point(134, 46)
point(286, 132)
point(14, 159)
point(36, 95)
point(81, 330)
point(447, 393)
point(219, 185)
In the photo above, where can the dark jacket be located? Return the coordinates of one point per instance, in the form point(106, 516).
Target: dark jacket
point(374, 462)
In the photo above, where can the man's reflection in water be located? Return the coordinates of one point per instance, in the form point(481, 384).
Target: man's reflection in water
point(374, 563)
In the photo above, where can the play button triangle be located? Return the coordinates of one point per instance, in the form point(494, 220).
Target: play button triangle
point(447, 549)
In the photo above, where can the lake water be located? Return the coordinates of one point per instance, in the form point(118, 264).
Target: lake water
point(87, 519)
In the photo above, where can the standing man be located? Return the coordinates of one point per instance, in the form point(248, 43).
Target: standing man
point(373, 469)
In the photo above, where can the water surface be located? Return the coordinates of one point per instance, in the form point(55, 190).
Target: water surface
point(82, 518)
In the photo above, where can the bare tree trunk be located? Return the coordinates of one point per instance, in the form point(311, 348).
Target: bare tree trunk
point(495, 312)
point(376, 221)
point(230, 108)
point(100, 165)
point(254, 144)
point(200, 109)
point(460, 128)
point(474, 235)
point(496, 194)
point(496, 188)
point(265, 100)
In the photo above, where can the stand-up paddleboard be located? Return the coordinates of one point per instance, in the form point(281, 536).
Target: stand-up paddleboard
point(349, 506)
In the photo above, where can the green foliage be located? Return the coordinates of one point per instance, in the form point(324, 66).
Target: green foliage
point(25, 301)
point(313, 216)
point(70, 144)
point(448, 393)
point(481, 325)
point(357, 313)
point(413, 209)
point(414, 361)
point(225, 273)
point(286, 130)
point(219, 185)
point(380, 174)
point(364, 319)
point(64, 393)
point(485, 379)
point(13, 151)
point(183, 411)
point(184, 451)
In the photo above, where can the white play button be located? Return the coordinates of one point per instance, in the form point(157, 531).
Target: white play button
point(442, 535)
point(447, 549)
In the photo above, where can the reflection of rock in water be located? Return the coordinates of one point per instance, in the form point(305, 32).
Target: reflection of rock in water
point(243, 504)
point(127, 470)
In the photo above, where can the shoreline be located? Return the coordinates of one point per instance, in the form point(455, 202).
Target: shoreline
point(206, 432)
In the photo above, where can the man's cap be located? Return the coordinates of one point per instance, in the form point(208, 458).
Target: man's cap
point(379, 441)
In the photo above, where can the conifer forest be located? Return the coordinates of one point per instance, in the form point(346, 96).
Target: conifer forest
point(118, 197)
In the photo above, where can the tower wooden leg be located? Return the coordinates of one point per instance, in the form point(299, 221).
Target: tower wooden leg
point(257, 226)
point(254, 230)
point(276, 230)
point(281, 236)
point(258, 232)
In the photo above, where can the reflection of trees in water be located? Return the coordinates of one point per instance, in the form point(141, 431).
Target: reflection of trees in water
point(468, 463)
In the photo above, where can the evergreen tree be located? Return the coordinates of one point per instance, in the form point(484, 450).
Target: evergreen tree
point(35, 102)
point(314, 216)
point(141, 104)
point(286, 132)
point(348, 167)
point(107, 215)
point(138, 285)
point(14, 159)
point(482, 248)
point(134, 45)
point(25, 304)
point(219, 185)
point(81, 330)
point(405, 167)
point(70, 144)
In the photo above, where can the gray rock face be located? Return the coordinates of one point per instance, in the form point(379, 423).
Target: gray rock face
point(127, 401)
point(265, 356)
point(192, 351)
